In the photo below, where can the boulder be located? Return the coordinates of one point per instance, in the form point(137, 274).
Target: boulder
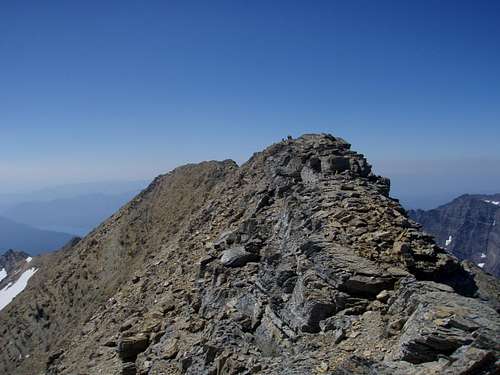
point(237, 257)
point(438, 322)
point(170, 348)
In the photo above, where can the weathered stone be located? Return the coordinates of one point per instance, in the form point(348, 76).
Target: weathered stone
point(170, 348)
point(383, 296)
point(237, 257)
point(439, 322)
point(335, 164)
point(366, 285)
point(338, 324)
point(130, 347)
point(128, 368)
point(468, 360)
point(312, 301)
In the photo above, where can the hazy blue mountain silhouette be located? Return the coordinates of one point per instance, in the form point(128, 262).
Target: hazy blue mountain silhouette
point(77, 215)
point(8, 200)
point(31, 240)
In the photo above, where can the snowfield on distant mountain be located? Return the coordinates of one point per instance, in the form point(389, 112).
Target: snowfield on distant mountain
point(496, 203)
point(3, 274)
point(8, 293)
point(467, 228)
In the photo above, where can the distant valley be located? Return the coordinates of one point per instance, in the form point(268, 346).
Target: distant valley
point(78, 215)
point(47, 219)
point(34, 241)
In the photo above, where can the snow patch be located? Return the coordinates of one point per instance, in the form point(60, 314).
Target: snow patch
point(448, 241)
point(8, 293)
point(483, 255)
point(496, 203)
point(3, 274)
point(29, 259)
point(481, 265)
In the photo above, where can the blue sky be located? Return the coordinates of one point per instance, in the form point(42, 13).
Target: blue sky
point(124, 89)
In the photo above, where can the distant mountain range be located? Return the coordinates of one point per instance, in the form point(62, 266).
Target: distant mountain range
point(70, 191)
point(77, 215)
point(467, 228)
point(15, 235)
point(45, 220)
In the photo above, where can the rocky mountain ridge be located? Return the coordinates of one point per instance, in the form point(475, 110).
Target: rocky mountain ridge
point(11, 258)
point(467, 228)
point(16, 268)
point(297, 262)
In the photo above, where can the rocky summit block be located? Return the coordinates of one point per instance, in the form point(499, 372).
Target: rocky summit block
point(296, 262)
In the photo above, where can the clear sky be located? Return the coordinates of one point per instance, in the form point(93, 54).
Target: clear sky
point(102, 90)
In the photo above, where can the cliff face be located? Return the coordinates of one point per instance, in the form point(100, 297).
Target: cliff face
point(297, 262)
point(467, 228)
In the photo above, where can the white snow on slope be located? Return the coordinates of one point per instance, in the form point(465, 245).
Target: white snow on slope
point(483, 255)
point(8, 293)
point(3, 274)
point(29, 259)
point(448, 241)
point(496, 203)
point(480, 265)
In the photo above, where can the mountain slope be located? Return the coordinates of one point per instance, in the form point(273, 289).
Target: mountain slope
point(297, 262)
point(21, 236)
point(467, 228)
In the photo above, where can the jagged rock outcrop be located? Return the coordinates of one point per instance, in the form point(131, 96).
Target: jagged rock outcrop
point(467, 228)
point(297, 262)
point(11, 259)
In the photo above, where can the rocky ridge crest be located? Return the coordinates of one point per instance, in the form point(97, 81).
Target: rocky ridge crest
point(297, 262)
